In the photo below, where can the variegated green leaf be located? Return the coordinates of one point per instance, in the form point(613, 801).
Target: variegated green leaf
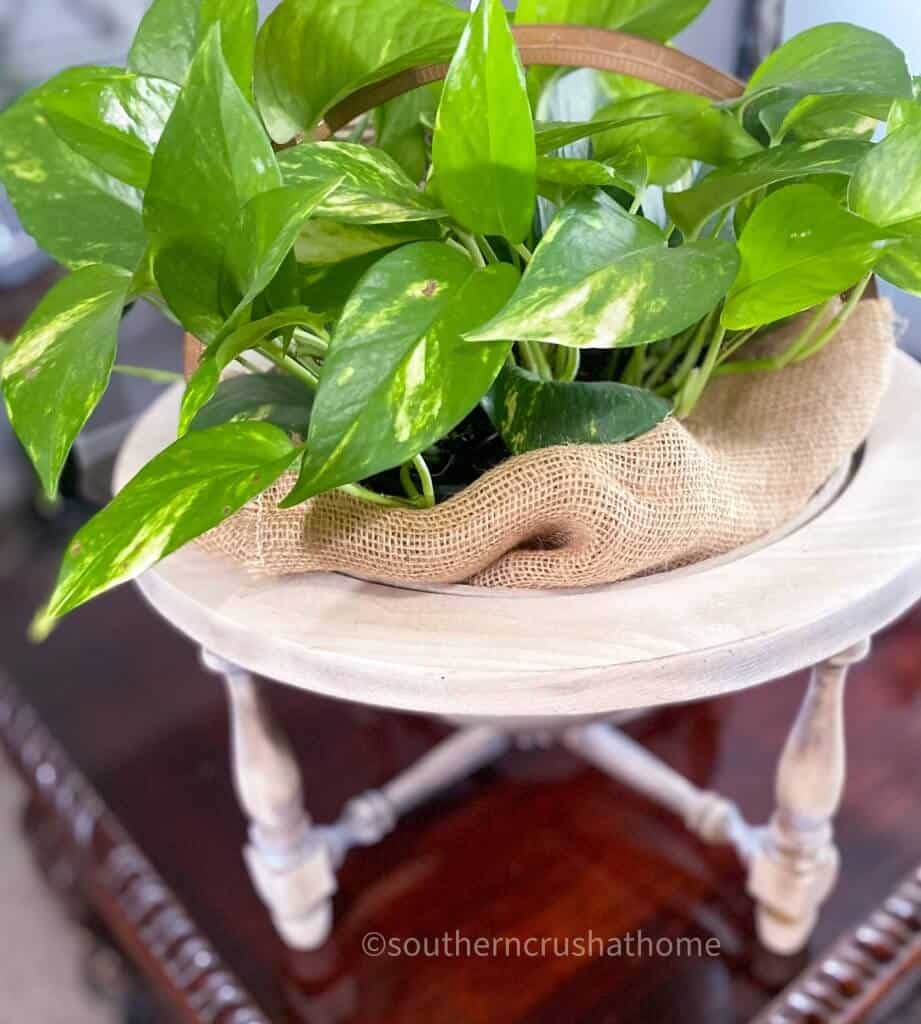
point(187, 489)
point(532, 413)
point(171, 32)
point(835, 58)
point(398, 374)
point(557, 175)
point(327, 241)
point(77, 212)
point(401, 128)
point(265, 233)
point(374, 189)
point(60, 365)
point(653, 19)
point(673, 124)
point(799, 248)
point(113, 120)
point(553, 135)
point(263, 397)
point(725, 186)
point(213, 158)
point(483, 150)
point(886, 186)
point(901, 266)
point(311, 55)
point(603, 278)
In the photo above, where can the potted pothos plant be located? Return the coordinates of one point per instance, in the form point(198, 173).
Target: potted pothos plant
point(450, 284)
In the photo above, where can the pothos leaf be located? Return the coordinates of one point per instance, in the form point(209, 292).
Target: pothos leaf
point(799, 248)
point(531, 413)
point(264, 397)
point(60, 364)
point(171, 32)
point(673, 124)
point(886, 186)
point(483, 151)
point(603, 278)
point(213, 158)
point(398, 374)
point(653, 19)
point(724, 187)
point(828, 59)
point(373, 188)
point(187, 489)
point(363, 41)
point(113, 120)
point(401, 128)
point(77, 212)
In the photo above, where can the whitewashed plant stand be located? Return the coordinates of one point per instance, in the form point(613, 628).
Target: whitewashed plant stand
point(529, 668)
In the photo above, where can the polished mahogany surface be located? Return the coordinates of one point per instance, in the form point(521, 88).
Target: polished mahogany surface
point(538, 846)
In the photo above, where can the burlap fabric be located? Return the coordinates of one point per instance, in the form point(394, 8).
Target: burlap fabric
point(751, 456)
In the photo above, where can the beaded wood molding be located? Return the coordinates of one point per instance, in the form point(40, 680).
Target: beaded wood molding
point(860, 969)
point(119, 881)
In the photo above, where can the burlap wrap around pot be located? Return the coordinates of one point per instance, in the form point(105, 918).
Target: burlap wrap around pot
point(754, 452)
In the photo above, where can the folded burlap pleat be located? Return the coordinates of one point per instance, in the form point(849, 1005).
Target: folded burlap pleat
point(754, 452)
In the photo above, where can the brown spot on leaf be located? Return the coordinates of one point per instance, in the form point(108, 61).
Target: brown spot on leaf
point(430, 288)
point(76, 548)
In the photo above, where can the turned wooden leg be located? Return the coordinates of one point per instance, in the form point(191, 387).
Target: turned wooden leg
point(288, 860)
point(796, 864)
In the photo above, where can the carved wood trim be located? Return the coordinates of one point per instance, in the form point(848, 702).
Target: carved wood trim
point(860, 969)
point(151, 924)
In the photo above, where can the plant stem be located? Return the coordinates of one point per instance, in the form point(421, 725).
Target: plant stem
point(535, 359)
point(636, 367)
point(676, 346)
point(373, 498)
point(524, 252)
point(567, 363)
point(698, 380)
point(425, 478)
point(487, 250)
point(690, 358)
point(146, 373)
point(290, 365)
point(469, 243)
point(832, 329)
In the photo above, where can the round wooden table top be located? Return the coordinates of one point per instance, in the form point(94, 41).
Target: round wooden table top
point(849, 566)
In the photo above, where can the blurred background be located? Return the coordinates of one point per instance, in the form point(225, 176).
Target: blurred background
point(38, 38)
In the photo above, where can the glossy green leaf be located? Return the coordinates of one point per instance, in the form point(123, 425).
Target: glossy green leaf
point(265, 397)
point(265, 233)
point(373, 188)
point(186, 490)
point(217, 357)
point(310, 55)
point(653, 19)
point(603, 278)
point(844, 116)
point(483, 150)
point(327, 241)
point(76, 212)
point(557, 174)
point(832, 58)
point(171, 32)
point(115, 121)
point(901, 113)
point(60, 364)
point(799, 248)
point(725, 186)
point(398, 374)
point(553, 135)
point(679, 124)
point(212, 159)
point(401, 128)
point(532, 413)
point(326, 289)
point(886, 187)
point(901, 266)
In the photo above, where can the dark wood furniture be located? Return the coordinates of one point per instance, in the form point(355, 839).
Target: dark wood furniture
point(122, 738)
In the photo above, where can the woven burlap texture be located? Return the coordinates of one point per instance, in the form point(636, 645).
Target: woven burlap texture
point(754, 452)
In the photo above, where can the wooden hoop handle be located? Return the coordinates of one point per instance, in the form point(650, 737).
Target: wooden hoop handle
point(572, 46)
